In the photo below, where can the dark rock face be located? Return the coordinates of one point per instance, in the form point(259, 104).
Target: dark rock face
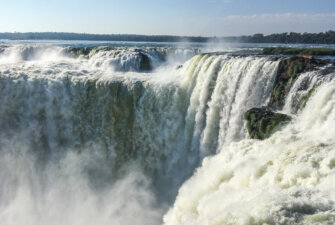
point(141, 57)
point(76, 52)
point(145, 64)
point(262, 123)
point(179, 67)
point(288, 71)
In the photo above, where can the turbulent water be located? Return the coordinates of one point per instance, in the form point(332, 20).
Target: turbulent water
point(114, 135)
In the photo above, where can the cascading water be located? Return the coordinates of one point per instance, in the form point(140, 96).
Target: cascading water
point(218, 86)
point(304, 87)
point(286, 179)
point(108, 135)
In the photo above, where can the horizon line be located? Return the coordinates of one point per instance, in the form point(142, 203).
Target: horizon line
point(158, 35)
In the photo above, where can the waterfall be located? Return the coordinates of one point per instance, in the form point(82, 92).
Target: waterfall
point(286, 179)
point(115, 131)
point(221, 89)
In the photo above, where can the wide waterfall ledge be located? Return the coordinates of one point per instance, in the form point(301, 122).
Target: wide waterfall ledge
point(90, 135)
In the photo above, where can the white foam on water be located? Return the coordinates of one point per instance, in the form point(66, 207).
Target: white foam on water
point(286, 179)
point(91, 139)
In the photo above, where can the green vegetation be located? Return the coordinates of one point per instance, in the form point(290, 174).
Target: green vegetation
point(292, 37)
point(76, 52)
point(262, 123)
point(305, 98)
point(100, 37)
point(288, 71)
point(297, 51)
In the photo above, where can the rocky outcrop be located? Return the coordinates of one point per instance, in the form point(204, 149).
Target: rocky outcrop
point(179, 67)
point(288, 71)
point(76, 52)
point(262, 123)
point(308, 52)
point(145, 64)
point(143, 61)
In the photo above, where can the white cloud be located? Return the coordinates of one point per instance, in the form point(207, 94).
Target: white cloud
point(282, 17)
point(274, 23)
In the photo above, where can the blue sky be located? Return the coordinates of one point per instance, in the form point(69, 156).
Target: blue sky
point(174, 17)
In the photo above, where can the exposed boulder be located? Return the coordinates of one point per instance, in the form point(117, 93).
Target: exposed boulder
point(77, 52)
point(179, 67)
point(262, 123)
point(288, 71)
point(145, 64)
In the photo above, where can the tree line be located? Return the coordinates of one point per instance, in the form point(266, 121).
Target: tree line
point(99, 37)
point(292, 37)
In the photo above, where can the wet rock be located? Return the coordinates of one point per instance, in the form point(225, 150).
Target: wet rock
point(288, 71)
point(262, 123)
point(145, 64)
point(179, 67)
point(76, 52)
